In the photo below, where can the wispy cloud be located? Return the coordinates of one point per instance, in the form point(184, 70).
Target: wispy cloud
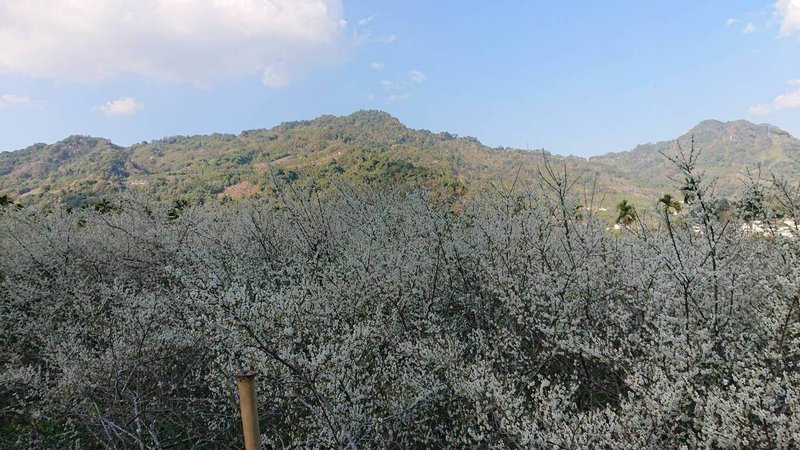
point(366, 20)
point(402, 87)
point(790, 100)
point(759, 110)
point(170, 40)
point(123, 106)
point(397, 98)
point(367, 37)
point(275, 76)
point(731, 22)
point(14, 101)
point(386, 39)
point(376, 65)
point(749, 28)
point(417, 77)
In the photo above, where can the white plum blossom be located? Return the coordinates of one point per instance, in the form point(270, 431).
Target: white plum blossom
point(380, 319)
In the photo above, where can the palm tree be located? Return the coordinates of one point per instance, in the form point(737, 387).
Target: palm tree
point(104, 206)
point(669, 203)
point(627, 213)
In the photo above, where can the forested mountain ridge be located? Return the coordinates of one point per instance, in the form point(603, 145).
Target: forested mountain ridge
point(369, 147)
point(728, 150)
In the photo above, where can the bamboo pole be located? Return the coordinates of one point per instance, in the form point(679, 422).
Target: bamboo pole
point(248, 405)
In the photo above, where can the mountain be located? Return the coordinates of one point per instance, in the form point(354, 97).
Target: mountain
point(69, 167)
point(366, 147)
point(727, 151)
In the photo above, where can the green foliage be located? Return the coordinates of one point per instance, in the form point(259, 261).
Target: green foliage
point(177, 209)
point(753, 202)
point(728, 150)
point(104, 206)
point(689, 190)
point(287, 176)
point(369, 147)
point(669, 203)
point(626, 213)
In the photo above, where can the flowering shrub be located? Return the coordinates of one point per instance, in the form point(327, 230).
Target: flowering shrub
point(376, 319)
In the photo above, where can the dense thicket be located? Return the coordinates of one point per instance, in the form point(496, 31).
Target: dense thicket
point(379, 320)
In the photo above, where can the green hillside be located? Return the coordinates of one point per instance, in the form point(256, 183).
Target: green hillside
point(728, 149)
point(368, 147)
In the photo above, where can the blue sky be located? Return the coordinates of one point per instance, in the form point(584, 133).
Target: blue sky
point(580, 78)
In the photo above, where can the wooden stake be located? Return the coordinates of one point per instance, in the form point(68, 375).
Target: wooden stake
point(248, 405)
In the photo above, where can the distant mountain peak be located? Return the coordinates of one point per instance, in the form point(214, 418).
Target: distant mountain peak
point(368, 118)
point(708, 123)
point(372, 114)
point(78, 140)
point(727, 151)
point(734, 127)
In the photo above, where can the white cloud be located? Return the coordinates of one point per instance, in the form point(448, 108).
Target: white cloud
point(179, 40)
point(123, 106)
point(368, 37)
point(788, 101)
point(377, 65)
point(14, 101)
point(390, 84)
point(386, 39)
point(749, 28)
point(365, 21)
point(731, 22)
point(417, 77)
point(397, 98)
point(759, 110)
point(787, 13)
point(275, 76)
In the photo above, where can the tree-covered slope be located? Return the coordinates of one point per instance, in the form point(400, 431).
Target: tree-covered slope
point(728, 150)
point(369, 147)
point(365, 147)
point(64, 171)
